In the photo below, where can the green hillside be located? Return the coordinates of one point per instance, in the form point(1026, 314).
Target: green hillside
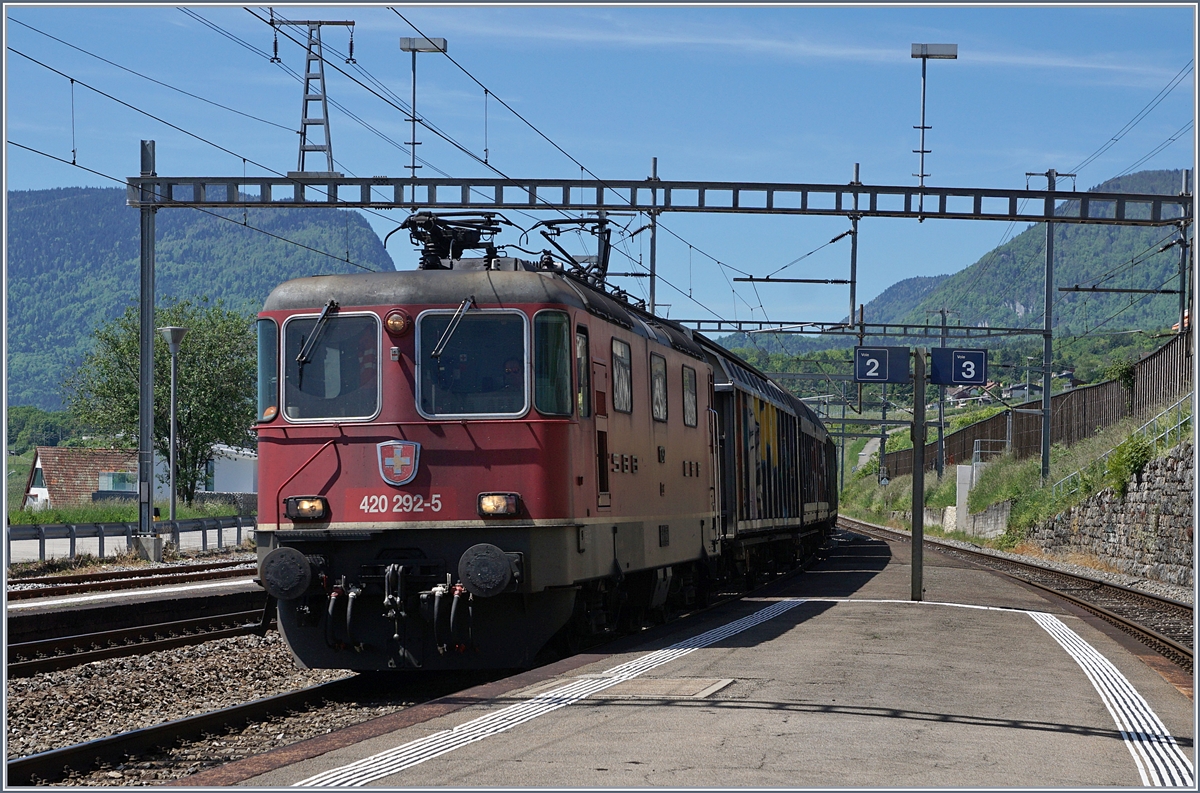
point(73, 262)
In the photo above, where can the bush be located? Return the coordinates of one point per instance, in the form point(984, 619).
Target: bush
point(1128, 460)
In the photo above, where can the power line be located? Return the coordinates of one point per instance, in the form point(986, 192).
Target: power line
point(245, 225)
point(151, 79)
point(1153, 103)
point(560, 149)
point(198, 137)
point(175, 127)
point(1158, 148)
point(1147, 253)
point(396, 105)
point(1073, 339)
point(399, 106)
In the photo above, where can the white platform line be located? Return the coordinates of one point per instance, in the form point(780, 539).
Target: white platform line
point(125, 593)
point(415, 752)
point(1159, 760)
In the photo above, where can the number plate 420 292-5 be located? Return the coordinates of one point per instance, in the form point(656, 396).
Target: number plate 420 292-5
point(372, 503)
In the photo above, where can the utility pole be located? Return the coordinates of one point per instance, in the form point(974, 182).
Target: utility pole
point(854, 246)
point(1048, 331)
point(918, 483)
point(1183, 258)
point(883, 477)
point(146, 352)
point(925, 52)
point(653, 235)
point(941, 449)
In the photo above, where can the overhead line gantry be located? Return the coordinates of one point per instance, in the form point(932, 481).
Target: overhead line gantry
point(150, 192)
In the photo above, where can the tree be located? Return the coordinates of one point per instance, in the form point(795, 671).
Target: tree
point(215, 388)
point(30, 426)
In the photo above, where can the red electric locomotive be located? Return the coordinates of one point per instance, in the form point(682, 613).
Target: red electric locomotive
point(459, 462)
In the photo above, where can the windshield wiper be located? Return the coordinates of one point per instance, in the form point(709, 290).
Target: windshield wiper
point(305, 355)
point(440, 347)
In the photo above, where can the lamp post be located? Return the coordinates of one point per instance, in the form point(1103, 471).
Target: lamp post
point(925, 52)
point(174, 337)
point(415, 45)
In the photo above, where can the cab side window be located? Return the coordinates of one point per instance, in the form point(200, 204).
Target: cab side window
point(583, 368)
point(658, 387)
point(622, 376)
point(689, 396)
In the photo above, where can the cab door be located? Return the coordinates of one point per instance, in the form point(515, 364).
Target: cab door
point(600, 406)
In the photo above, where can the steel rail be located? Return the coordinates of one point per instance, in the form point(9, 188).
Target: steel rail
point(48, 655)
point(50, 766)
point(83, 578)
point(129, 583)
point(1164, 645)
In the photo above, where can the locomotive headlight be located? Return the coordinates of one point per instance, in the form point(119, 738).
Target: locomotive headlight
point(306, 507)
point(398, 322)
point(499, 504)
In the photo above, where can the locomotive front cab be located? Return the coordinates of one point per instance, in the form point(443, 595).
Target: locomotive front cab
point(415, 459)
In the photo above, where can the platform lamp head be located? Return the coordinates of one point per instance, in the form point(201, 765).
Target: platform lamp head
point(415, 45)
point(174, 337)
point(926, 52)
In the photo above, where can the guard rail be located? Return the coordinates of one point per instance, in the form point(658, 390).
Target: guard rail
point(175, 528)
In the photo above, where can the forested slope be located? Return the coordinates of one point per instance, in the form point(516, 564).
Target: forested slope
point(73, 262)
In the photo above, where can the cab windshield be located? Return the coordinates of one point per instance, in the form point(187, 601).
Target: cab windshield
point(481, 370)
point(339, 378)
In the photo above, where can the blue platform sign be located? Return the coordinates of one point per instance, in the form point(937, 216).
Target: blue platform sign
point(958, 367)
point(881, 365)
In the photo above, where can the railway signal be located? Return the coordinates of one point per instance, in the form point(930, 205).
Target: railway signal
point(881, 365)
point(958, 367)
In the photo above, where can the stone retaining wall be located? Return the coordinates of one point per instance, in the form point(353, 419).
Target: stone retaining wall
point(1148, 533)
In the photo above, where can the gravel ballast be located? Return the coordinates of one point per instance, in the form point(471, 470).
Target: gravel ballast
point(63, 708)
point(55, 709)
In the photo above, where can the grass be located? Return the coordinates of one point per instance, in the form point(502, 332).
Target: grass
point(112, 512)
point(18, 472)
point(852, 452)
point(1017, 480)
point(124, 558)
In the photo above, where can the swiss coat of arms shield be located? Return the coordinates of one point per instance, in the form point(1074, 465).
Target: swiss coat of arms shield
point(398, 461)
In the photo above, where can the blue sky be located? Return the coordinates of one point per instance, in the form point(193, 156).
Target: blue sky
point(791, 94)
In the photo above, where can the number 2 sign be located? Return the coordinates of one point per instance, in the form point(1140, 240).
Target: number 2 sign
point(881, 365)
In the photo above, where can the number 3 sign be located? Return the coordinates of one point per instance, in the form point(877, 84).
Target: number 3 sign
point(958, 367)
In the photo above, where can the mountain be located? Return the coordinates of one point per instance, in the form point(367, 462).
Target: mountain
point(74, 263)
point(896, 302)
point(1006, 287)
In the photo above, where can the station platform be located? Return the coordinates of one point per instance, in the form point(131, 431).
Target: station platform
point(828, 678)
point(64, 615)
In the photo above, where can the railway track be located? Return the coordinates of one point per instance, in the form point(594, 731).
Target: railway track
point(56, 764)
point(52, 586)
point(1163, 624)
point(48, 655)
point(50, 766)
